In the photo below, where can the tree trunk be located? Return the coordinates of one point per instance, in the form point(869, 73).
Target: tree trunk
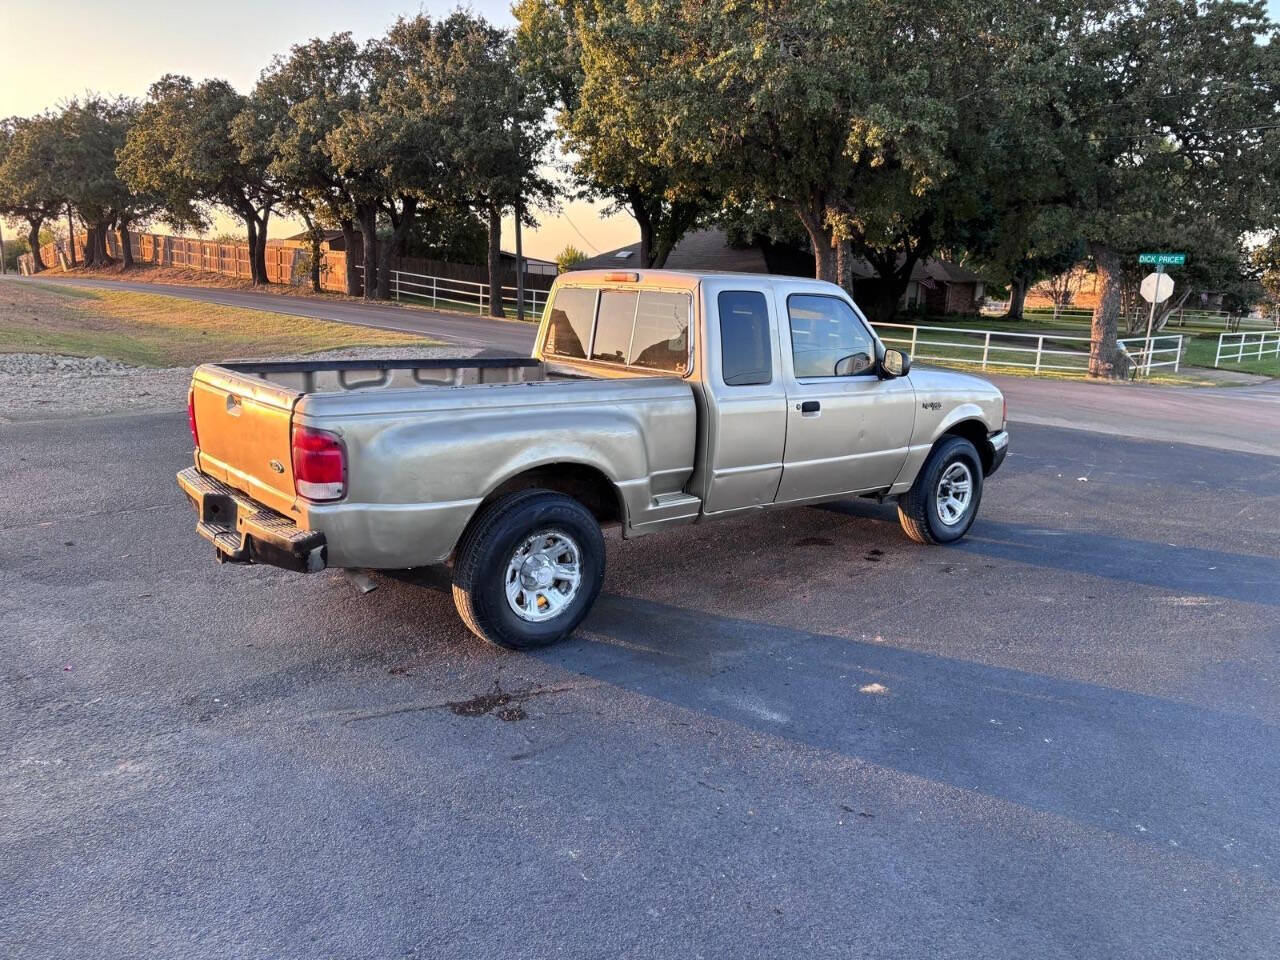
point(33, 238)
point(126, 251)
point(1017, 299)
point(1103, 353)
point(844, 265)
point(349, 234)
point(399, 237)
point(258, 253)
point(315, 260)
point(367, 217)
point(71, 238)
point(824, 257)
point(495, 261)
point(251, 233)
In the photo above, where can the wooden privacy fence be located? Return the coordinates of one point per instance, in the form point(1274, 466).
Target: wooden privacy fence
point(287, 263)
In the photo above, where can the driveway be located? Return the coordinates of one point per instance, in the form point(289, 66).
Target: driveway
point(796, 734)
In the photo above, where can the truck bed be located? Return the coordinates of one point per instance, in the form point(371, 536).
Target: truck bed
point(427, 439)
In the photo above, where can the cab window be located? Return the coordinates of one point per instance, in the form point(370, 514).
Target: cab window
point(827, 338)
point(745, 356)
point(569, 331)
point(614, 323)
point(661, 336)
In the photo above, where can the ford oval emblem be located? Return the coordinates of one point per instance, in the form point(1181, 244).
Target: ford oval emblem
point(277, 466)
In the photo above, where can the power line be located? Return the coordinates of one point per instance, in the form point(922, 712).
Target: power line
point(579, 232)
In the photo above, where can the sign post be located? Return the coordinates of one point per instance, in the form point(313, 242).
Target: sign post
point(1159, 290)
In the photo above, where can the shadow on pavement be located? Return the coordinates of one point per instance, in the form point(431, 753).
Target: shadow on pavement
point(1141, 767)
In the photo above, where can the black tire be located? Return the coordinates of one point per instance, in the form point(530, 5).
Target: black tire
point(486, 549)
point(918, 509)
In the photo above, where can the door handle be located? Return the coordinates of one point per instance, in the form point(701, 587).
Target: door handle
point(810, 406)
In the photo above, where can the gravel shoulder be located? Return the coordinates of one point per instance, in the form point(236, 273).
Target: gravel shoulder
point(45, 386)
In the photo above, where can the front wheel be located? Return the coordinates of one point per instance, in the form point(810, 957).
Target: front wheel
point(941, 505)
point(528, 569)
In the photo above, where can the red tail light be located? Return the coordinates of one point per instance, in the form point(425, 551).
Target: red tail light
point(319, 464)
point(1004, 412)
point(191, 418)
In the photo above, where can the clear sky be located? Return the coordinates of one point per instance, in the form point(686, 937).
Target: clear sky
point(50, 51)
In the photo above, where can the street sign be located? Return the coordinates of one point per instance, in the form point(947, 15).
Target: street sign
point(1164, 259)
point(1156, 287)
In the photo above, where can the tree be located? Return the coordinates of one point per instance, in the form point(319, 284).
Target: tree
point(464, 87)
point(93, 132)
point(205, 144)
point(874, 124)
point(1174, 104)
point(599, 118)
point(31, 156)
point(569, 257)
point(309, 92)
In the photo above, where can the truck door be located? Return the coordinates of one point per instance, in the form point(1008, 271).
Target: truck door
point(746, 406)
point(847, 430)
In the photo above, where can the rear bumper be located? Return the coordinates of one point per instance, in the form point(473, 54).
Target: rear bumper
point(243, 531)
point(999, 447)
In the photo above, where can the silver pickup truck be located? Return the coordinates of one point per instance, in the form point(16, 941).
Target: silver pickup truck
point(653, 398)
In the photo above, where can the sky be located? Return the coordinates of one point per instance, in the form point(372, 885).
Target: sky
point(52, 51)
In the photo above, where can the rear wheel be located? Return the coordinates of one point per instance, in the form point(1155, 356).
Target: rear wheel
point(528, 569)
point(941, 505)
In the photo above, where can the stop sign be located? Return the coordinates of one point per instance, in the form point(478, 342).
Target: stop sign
point(1156, 287)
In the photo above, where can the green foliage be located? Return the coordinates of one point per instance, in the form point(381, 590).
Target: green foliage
point(569, 257)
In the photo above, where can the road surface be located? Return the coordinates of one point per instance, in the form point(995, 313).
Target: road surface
point(797, 734)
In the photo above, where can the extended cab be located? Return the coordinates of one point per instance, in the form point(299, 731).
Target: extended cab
point(653, 398)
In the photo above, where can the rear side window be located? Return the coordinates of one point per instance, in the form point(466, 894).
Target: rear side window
point(613, 325)
point(745, 356)
point(661, 337)
point(572, 312)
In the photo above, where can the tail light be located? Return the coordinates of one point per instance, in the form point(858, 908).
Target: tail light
point(191, 418)
point(319, 464)
point(1004, 412)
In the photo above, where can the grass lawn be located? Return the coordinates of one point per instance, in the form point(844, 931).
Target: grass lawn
point(162, 331)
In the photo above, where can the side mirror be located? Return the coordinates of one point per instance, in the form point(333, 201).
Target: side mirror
point(895, 363)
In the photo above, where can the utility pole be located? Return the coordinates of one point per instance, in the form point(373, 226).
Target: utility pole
point(3, 269)
point(519, 261)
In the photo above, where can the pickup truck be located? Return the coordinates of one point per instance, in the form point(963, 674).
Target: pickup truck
point(653, 398)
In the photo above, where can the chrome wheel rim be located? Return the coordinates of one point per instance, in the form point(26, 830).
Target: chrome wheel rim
point(955, 492)
point(543, 575)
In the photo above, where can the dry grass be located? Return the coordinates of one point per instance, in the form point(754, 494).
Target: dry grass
point(162, 331)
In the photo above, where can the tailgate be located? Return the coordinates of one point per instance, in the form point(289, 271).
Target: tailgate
point(245, 440)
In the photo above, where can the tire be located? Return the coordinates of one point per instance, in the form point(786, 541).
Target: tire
point(921, 512)
point(549, 530)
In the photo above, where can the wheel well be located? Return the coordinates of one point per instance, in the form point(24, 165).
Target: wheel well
point(585, 484)
point(975, 431)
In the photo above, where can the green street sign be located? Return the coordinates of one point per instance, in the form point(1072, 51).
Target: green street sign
point(1164, 259)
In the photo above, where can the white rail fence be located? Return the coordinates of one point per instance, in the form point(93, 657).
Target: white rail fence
point(1239, 347)
point(1033, 351)
point(1181, 318)
point(422, 288)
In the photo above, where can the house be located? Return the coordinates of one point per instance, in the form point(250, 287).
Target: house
point(937, 286)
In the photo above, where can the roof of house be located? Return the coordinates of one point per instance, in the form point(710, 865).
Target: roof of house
point(701, 250)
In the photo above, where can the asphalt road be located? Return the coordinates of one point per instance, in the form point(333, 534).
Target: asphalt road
point(790, 735)
point(1234, 418)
